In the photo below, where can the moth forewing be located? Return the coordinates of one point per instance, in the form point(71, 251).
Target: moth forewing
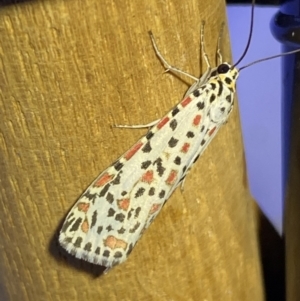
point(108, 219)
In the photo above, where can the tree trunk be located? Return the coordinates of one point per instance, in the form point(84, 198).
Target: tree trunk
point(72, 69)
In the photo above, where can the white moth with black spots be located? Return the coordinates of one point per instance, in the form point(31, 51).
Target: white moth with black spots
point(112, 214)
point(109, 218)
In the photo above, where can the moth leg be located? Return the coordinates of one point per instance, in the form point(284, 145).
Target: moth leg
point(202, 44)
point(219, 53)
point(167, 66)
point(137, 126)
point(201, 81)
point(182, 180)
point(207, 74)
point(106, 270)
point(188, 169)
point(181, 183)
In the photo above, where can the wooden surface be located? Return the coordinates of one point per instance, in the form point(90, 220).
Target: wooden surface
point(292, 203)
point(71, 69)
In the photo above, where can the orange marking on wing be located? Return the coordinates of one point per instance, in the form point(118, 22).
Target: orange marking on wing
point(103, 180)
point(85, 226)
point(163, 122)
point(197, 120)
point(154, 208)
point(147, 177)
point(186, 101)
point(123, 204)
point(113, 243)
point(172, 177)
point(185, 148)
point(133, 150)
point(84, 207)
point(211, 131)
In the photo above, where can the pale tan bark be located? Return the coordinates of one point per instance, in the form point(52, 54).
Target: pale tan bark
point(71, 69)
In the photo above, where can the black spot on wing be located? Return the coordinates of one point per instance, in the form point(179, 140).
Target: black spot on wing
point(162, 194)
point(173, 142)
point(109, 228)
point(120, 217)
point(129, 249)
point(111, 212)
point(117, 179)
point(175, 111)
point(196, 93)
point(70, 215)
point(88, 247)
point(78, 242)
point(213, 85)
point(200, 105)
point(173, 124)
point(139, 192)
point(109, 197)
point(94, 219)
point(151, 191)
point(104, 190)
point(145, 164)
point(76, 225)
point(118, 165)
point(149, 135)
point(228, 98)
point(190, 134)
point(160, 169)
point(137, 212)
point(67, 224)
point(68, 240)
point(212, 98)
point(147, 148)
point(90, 196)
point(135, 227)
point(121, 230)
point(177, 160)
point(118, 254)
point(130, 213)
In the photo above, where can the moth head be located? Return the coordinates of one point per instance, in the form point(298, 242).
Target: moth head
point(227, 74)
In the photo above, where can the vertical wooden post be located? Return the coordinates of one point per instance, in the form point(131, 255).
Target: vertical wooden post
point(71, 69)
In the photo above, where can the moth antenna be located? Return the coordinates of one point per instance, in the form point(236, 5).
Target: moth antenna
point(269, 58)
point(249, 37)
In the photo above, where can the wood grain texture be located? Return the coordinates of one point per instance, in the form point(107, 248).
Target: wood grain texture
point(71, 69)
point(292, 204)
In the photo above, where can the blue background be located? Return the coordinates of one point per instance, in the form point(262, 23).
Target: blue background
point(259, 95)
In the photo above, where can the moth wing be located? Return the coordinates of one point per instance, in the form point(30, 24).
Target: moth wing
point(111, 215)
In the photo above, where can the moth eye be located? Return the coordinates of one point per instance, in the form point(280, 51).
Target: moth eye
point(223, 68)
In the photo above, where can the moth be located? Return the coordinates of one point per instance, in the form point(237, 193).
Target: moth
point(109, 218)
point(112, 214)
